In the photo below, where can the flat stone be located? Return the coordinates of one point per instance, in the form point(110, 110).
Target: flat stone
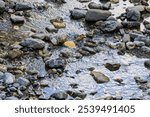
point(33, 43)
point(100, 77)
point(94, 15)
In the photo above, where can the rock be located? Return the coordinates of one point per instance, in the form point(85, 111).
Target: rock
point(2, 94)
point(82, 1)
point(44, 83)
point(139, 8)
point(70, 44)
point(78, 13)
point(23, 81)
point(41, 36)
point(147, 64)
point(15, 53)
point(143, 39)
point(2, 6)
point(94, 5)
point(126, 38)
point(17, 19)
point(114, 1)
point(56, 63)
point(139, 80)
point(22, 7)
point(51, 29)
point(1, 75)
point(88, 49)
point(33, 43)
point(77, 94)
point(139, 43)
point(100, 77)
point(60, 96)
point(112, 67)
point(94, 15)
point(58, 23)
point(3, 68)
point(8, 78)
point(133, 15)
point(130, 45)
point(145, 49)
point(131, 24)
point(11, 98)
point(148, 9)
point(110, 26)
point(119, 80)
point(58, 39)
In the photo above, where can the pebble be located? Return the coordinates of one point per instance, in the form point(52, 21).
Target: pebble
point(112, 66)
point(147, 64)
point(8, 78)
point(23, 81)
point(59, 96)
point(94, 15)
point(33, 43)
point(99, 77)
point(17, 19)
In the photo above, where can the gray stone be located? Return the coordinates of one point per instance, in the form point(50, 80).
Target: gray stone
point(60, 96)
point(33, 43)
point(23, 81)
point(17, 19)
point(133, 15)
point(94, 15)
point(77, 94)
point(2, 6)
point(113, 66)
point(8, 78)
point(78, 13)
point(56, 63)
point(22, 7)
point(147, 64)
point(110, 26)
point(100, 77)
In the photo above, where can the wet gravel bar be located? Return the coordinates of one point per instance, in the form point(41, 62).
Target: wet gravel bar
point(74, 49)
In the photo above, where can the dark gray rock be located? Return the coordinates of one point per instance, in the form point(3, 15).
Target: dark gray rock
point(94, 15)
point(110, 26)
point(147, 64)
point(94, 5)
point(56, 63)
point(131, 24)
point(113, 66)
point(22, 7)
point(78, 13)
point(23, 81)
point(8, 78)
point(17, 19)
point(59, 96)
point(2, 6)
point(82, 1)
point(33, 43)
point(133, 15)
